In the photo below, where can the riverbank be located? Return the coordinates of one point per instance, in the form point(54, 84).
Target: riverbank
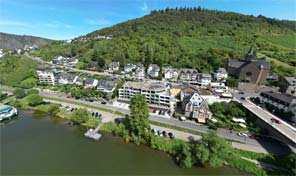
point(160, 143)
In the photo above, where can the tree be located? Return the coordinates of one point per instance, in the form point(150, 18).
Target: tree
point(138, 121)
point(32, 91)
point(80, 116)
point(53, 109)
point(202, 153)
point(19, 93)
point(34, 99)
point(183, 156)
point(232, 82)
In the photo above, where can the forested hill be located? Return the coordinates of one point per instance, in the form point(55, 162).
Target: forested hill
point(11, 41)
point(187, 37)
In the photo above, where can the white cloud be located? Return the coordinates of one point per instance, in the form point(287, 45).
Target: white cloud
point(99, 22)
point(145, 7)
point(13, 23)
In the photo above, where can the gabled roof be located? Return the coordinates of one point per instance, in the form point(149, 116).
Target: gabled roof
point(188, 70)
point(154, 67)
point(114, 64)
point(235, 63)
point(280, 96)
point(89, 81)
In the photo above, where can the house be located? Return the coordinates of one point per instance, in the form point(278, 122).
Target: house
point(153, 70)
point(113, 66)
point(254, 71)
point(90, 83)
point(170, 73)
point(129, 67)
point(66, 61)
point(288, 85)
point(65, 78)
point(78, 81)
point(188, 74)
point(140, 70)
point(187, 91)
point(156, 93)
point(204, 80)
point(196, 107)
point(280, 100)
point(106, 86)
point(46, 76)
point(221, 75)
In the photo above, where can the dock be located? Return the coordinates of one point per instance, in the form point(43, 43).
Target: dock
point(93, 133)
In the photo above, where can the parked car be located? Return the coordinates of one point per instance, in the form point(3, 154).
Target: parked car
point(159, 113)
point(276, 121)
point(159, 133)
point(242, 134)
point(103, 102)
point(171, 135)
point(164, 134)
point(93, 114)
point(154, 110)
point(69, 96)
point(243, 98)
point(182, 118)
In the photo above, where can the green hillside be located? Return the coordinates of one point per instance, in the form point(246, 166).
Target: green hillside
point(185, 37)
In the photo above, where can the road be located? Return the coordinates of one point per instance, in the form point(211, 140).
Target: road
point(247, 143)
point(71, 68)
point(284, 128)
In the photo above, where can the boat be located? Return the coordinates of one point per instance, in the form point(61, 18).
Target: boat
point(7, 112)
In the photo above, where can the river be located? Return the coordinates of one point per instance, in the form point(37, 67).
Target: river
point(33, 143)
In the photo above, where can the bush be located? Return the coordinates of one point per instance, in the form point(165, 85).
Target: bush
point(32, 91)
point(19, 93)
point(53, 109)
point(34, 99)
point(80, 116)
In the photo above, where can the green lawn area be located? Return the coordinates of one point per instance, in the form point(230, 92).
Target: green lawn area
point(288, 41)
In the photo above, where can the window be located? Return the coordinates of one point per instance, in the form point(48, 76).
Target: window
point(249, 74)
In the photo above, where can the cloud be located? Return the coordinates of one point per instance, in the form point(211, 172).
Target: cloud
point(57, 24)
point(13, 23)
point(145, 7)
point(98, 22)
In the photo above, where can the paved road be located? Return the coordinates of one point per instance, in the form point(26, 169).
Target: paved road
point(284, 128)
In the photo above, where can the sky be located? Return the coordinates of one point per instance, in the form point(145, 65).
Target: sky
point(65, 19)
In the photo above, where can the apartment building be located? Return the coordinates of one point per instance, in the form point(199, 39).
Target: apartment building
point(46, 76)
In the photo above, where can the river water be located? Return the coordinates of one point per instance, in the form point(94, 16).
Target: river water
point(34, 143)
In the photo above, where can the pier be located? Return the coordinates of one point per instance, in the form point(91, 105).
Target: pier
point(93, 134)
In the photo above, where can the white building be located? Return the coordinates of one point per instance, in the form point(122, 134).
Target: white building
point(140, 71)
point(221, 75)
point(170, 73)
point(156, 93)
point(90, 83)
point(106, 86)
point(280, 100)
point(188, 74)
point(204, 80)
point(67, 61)
point(129, 67)
point(65, 78)
point(113, 66)
point(153, 70)
point(46, 76)
point(78, 81)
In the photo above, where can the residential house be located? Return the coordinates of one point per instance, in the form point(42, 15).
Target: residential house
point(65, 78)
point(46, 76)
point(280, 100)
point(90, 83)
point(78, 81)
point(288, 85)
point(66, 61)
point(106, 86)
point(153, 70)
point(272, 77)
point(140, 71)
point(113, 66)
point(254, 71)
point(170, 73)
point(204, 80)
point(196, 107)
point(188, 74)
point(156, 93)
point(221, 75)
point(129, 67)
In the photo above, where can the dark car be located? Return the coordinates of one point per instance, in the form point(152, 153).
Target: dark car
point(93, 114)
point(243, 98)
point(72, 109)
point(241, 93)
point(159, 113)
point(171, 135)
point(276, 121)
point(96, 114)
point(164, 133)
point(103, 102)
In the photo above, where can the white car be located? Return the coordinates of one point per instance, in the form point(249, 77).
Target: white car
point(242, 134)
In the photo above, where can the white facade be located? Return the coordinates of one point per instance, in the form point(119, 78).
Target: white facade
point(170, 73)
point(129, 68)
point(188, 74)
point(46, 77)
point(204, 80)
point(153, 70)
point(221, 74)
point(113, 66)
point(155, 92)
